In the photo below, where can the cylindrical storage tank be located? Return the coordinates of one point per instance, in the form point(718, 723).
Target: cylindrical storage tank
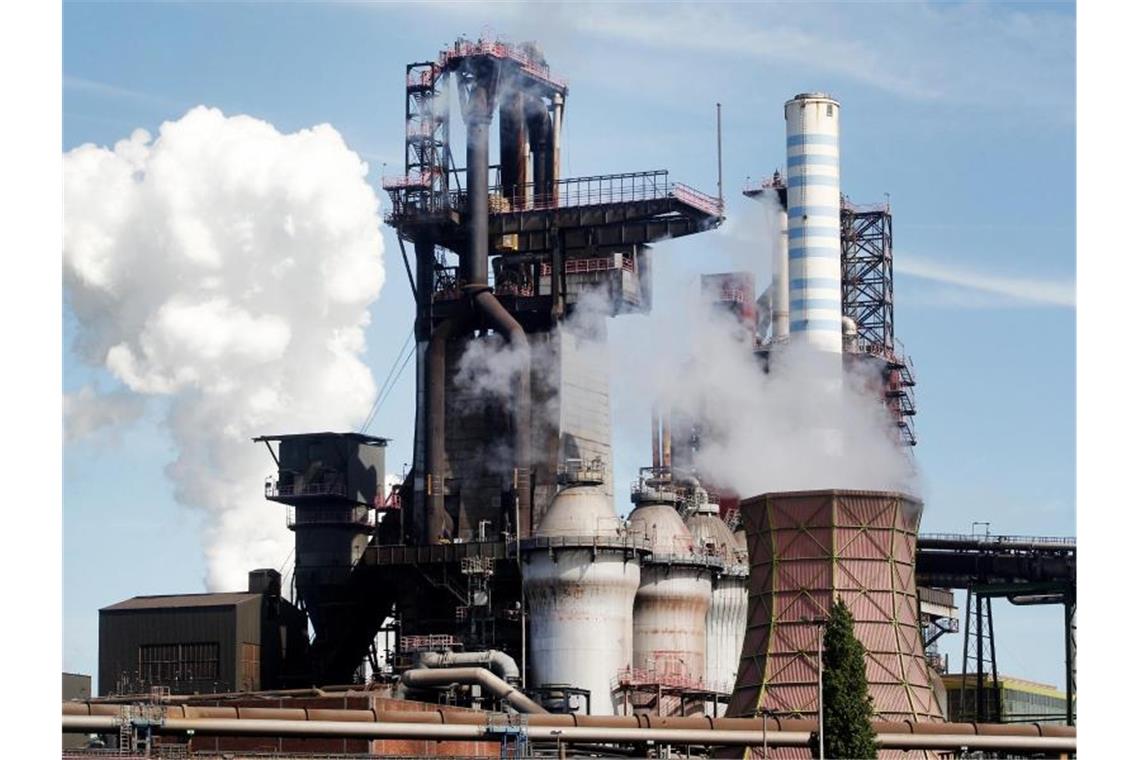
point(815, 296)
point(728, 608)
point(580, 575)
point(673, 598)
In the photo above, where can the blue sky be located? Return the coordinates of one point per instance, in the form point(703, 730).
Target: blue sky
point(964, 113)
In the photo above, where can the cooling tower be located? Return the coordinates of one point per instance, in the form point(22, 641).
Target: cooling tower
point(580, 574)
point(806, 549)
point(814, 291)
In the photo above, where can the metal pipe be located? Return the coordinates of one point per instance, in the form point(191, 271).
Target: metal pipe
point(1070, 660)
point(666, 443)
point(719, 165)
point(507, 325)
point(512, 145)
point(428, 677)
point(568, 734)
point(556, 142)
point(655, 424)
point(437, 522)
point(539, 129)
point(478, 118)
point(500, 663)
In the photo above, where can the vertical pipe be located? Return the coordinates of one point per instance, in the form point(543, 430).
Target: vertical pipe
point(477, 202)
point(719, 165)
point(812, 123)
point(506, 325)
point(437, 523)
point(556, 143)
point(478, 117)
point(425, 275)
point(780, 279)
point(1070, 660)
point(512, 146)
point(655, 425)
point(666, 444)
point(539, 129)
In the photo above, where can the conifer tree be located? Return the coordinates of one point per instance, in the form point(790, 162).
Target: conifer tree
point(847, 710)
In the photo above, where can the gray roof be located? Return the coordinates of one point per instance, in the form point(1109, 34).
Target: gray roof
point(175, 601)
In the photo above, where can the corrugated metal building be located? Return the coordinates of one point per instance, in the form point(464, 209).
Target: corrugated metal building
point(202, 643)
point(1019, 700)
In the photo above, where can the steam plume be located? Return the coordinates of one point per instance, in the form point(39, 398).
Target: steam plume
point(227, 268)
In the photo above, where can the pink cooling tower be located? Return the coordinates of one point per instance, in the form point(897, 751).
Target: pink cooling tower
point(806, 549)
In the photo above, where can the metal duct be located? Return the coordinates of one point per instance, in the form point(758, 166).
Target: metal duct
point(437, 522)
point(478, 117)
point(429, 677)
point(541, 133)
point(507, 325)
point(539, 731)
point(500, 663)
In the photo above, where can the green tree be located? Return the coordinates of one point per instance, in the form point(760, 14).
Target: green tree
point(847, 710)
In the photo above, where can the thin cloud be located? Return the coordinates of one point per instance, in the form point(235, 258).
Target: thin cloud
point(1025, 290)
point(105, 90)
point(996, 56)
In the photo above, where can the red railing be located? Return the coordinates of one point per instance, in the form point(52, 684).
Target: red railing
point(571, 193)
point(644, 677)
point(412, 181)
point(389, 503)
point(497, 49)
point(697, 199)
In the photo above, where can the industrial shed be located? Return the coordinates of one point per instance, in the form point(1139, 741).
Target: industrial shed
point(202, 643)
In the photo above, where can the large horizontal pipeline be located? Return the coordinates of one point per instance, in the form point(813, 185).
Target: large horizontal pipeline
point(474, 717)
point(569, 734)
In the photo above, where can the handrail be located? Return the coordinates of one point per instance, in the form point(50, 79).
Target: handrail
point(1061, 541)
point(274, 488)
point(497, 49)
point(574, 192)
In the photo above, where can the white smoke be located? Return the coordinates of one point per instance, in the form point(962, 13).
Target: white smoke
point(793, 428)
point(88, 411)
point(228, 268)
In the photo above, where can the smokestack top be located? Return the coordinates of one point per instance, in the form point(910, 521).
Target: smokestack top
point(807, 96)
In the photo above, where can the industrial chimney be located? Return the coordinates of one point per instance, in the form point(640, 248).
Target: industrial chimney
point(815, 297)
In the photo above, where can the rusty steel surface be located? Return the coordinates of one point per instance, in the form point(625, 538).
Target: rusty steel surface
point(807, 549)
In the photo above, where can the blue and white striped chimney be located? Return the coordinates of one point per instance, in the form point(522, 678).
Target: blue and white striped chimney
point(815, 310)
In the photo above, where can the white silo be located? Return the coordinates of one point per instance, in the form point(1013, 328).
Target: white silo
point(580, 573)
point(728, 609)
point(815, 309)
point(675, 592)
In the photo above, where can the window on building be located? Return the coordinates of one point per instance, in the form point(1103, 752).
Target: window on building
point(167, 664)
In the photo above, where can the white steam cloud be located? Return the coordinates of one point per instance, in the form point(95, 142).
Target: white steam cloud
point(87, 411)
point(228, 268)
point(793, 428)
